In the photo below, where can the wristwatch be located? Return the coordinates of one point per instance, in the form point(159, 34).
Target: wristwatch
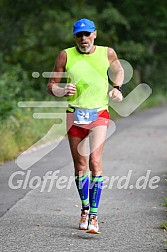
point(118, 87)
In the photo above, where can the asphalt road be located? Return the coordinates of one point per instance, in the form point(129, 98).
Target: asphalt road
point(45, 219)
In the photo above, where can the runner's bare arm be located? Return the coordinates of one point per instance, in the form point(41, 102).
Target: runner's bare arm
point(116, 68)
point(57, 74)
point(117, 74)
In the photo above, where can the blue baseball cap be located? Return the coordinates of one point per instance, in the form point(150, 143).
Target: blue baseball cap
point(84, 24)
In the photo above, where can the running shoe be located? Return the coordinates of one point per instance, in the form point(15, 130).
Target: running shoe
point(83, 224)
point(93, 226)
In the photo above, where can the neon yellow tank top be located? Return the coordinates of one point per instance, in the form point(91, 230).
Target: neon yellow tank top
point(89, 73)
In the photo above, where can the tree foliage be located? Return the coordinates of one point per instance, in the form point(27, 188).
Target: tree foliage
point(33, 32)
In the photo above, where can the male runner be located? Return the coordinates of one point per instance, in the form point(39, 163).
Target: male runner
point(87, 115)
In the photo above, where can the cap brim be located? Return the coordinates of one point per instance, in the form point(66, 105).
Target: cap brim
point(83, 30)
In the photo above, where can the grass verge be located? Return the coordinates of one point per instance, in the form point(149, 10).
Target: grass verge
point(163, 224)
point(20, 131)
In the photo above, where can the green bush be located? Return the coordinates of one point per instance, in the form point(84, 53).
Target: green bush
point(20, 131)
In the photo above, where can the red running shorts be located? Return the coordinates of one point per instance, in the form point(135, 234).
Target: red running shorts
point(83, 130)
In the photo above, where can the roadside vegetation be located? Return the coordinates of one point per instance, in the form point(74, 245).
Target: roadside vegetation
point(163, 224)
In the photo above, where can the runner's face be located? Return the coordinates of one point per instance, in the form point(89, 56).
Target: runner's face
point(85, 41)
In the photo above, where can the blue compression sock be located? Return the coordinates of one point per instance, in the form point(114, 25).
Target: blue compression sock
point(82, 184)
point(95, 190)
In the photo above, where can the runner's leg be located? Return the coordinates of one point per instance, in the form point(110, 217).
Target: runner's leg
point(81, 178)
point(97, 139)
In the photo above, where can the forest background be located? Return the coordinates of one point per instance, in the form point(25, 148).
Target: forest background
point(33, 32)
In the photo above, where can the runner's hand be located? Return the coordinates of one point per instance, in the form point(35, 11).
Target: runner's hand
point(116, 95)
point(70, 89)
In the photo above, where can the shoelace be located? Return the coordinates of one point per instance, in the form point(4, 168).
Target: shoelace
point(93, 220)
point(83, 217)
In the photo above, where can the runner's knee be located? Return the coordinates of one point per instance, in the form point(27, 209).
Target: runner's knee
point(95, 165)
point(80, 167)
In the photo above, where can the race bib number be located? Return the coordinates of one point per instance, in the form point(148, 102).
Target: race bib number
point(85, 116)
